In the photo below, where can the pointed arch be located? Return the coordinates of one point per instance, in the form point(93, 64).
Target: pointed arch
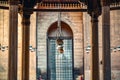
point(66, 30)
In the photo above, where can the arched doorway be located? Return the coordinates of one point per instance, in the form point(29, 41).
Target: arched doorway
point(60, 66)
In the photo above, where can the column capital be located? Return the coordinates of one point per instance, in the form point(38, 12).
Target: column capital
point(94, 15)
point(105, 2)
point(13, 2)
point(94, 8)
point(25, 14)
point(24, 11)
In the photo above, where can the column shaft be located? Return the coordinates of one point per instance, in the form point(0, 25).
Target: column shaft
point(13, 41)
point(106, 43)
point(94, 48)
point(25, 46)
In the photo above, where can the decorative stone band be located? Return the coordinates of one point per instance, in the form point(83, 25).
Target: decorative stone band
point(3, 3)
point(54, 5)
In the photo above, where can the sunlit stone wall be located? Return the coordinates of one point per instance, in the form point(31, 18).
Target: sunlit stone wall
point(44, 20)
point(74, 20)
point(115, 42)
point(4, 25)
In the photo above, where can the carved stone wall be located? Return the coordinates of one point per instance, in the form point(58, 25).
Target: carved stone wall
point(44, 20)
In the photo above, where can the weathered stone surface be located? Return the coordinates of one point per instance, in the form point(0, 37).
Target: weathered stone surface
point(45, 19)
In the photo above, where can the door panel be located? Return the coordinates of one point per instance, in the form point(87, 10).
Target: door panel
point(60, 66)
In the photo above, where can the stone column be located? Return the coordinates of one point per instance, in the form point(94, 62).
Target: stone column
point(106, 40)
point(13, 40)
point(94, 61)
point(25, 44)
point(94, 10)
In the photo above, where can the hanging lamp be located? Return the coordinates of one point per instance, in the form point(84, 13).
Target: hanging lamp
point(59, 40)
